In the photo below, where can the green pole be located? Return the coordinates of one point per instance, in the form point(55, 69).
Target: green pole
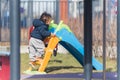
point(118, 40)
point(14, 39)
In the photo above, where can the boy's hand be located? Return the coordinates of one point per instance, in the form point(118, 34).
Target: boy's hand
point(53, 35)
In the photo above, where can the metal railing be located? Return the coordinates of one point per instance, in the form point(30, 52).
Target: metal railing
point(33, 9)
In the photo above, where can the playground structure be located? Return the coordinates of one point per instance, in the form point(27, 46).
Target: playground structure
point(4, 65)
point(4, 68)
point(67, 39)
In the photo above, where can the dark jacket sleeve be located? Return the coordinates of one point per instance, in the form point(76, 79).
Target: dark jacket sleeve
point(44, 31)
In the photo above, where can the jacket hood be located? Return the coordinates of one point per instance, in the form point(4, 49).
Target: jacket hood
point(37, 23)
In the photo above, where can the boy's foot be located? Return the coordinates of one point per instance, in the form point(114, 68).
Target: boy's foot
point(31, 66)
point(39, 61)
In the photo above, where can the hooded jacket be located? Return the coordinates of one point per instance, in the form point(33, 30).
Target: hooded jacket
point(40, 31)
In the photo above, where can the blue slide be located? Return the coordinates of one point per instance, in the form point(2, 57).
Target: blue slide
point(71, 43)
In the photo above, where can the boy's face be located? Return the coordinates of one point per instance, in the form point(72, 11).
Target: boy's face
point(48, 21)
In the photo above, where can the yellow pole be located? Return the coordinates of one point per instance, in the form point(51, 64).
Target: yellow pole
point(49, 50)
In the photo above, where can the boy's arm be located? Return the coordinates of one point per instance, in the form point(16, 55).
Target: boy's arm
point(45, 32)
point(52, 34)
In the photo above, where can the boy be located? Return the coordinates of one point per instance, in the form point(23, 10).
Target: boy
point(40, 32)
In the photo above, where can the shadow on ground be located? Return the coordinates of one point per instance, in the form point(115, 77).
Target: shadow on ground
point(58, 61)
point(54, 68)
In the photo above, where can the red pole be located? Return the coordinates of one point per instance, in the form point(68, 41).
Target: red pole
point(4, 68)
point(64, 10)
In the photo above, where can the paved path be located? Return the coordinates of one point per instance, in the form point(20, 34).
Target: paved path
point(95, 76)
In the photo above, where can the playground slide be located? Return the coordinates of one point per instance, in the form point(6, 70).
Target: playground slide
point(68, 40)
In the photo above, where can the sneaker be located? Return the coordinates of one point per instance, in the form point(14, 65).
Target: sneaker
point(32, 64)
point(39, 61)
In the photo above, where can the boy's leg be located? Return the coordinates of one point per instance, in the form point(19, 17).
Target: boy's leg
point(55, 52)
point(40, 46)
point(32, 56)
point(32, 53)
